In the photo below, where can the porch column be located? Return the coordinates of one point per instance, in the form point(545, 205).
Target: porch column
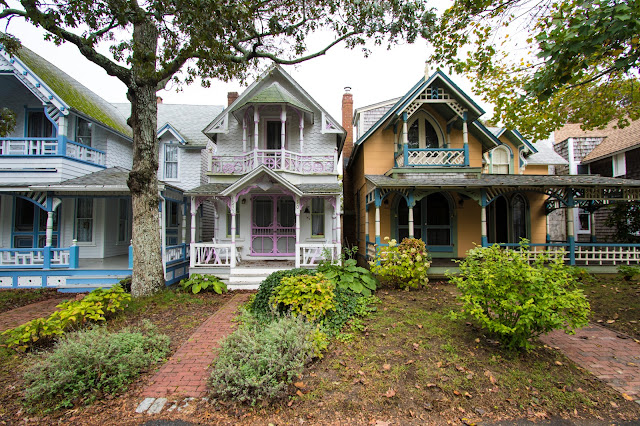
point(183, 240)
point(570, 230)
point(49, 241)
point(465, 138)
point(301, 133)
point(283, 134)
point(298, 207)
point(411, 221)
point(405, 139)
point(483, 218)
point(592, 226)
point(378, 203)
point(338, 224)
point(194, 211)
point(256, 124)
point(244, 134)
point(366, 224)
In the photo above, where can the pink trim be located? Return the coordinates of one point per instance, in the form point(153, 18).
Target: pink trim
point(274, 232)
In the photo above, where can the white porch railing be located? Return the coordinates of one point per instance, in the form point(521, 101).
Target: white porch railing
point(274, 159)
point(177, 253)
point(38, 258)
point(585, 254)
point(440, 157)
point(313, 254)
point(210, 255)
point(46, 147)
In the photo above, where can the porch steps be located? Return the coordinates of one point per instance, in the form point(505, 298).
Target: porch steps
point(249, 278)
point(78, 283)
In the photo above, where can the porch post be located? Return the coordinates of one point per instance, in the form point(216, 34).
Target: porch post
point(183, 239)
point(163, 233)
point(366, 224)
point(378, 203)
point(411, 204)
point(338, 226)
point(283, 128)
point(405, 139)
point(194, 211)
point(465, 138)
point(570, 230)
point(244, 134)
point(298, 208)
point(232, 207)
point(592, 226)
point(256, 125)
point(483, 218)
point(301, 133)
point(49, 240)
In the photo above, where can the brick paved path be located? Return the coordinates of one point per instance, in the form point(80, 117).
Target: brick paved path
point(599, 350)
point(19, 316)
point(187, 371)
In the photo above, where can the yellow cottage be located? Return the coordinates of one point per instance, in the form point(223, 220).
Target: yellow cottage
point(424, 166)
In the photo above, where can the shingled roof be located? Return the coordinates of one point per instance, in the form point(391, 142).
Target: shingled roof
point(614, 140)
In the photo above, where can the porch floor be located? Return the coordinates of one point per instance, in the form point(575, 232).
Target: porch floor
point(113, 262)
point(267, 264)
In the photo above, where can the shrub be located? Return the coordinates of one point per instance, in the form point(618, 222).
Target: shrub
point(125, 283)
point(349, 276)
point(628, 272)
point(258, 362)
point(309, 295)
point(201, 282)
point(261, 306)
point(94, 307)
point(85, 364)
point(403, 265)
point(347, 306)
point(518, 300)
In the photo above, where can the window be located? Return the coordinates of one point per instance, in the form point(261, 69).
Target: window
point(258, 219)
point(500, 160)
point(171, 161)
point(583, 169)
point(423, 134)
point(84, 220)
point(124, 220)
point(38, 125)
point(274, 135)
point(619, 165)
point(84, 130)
point(438, 220)
point(172, 220)
point(507, 219)
point(519, 218)
point(30, 225)
point(317, 217)
point(582, 221)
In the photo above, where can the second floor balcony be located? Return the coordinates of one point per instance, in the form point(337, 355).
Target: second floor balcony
point(274, 159)
point(60, 146)
point(432, 157)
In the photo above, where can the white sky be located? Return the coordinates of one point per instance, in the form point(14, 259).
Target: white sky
point(385, 74)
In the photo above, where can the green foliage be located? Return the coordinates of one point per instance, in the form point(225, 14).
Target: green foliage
point(348, 305)
point(7, 121)
point(125, 283)
point(402, 265)
point(320, 341)
point(625, 217)
point(94, 307)
point(628, 272)
point(308, 295)
point(257, 362)
point(349, 275)
point(88, 363)
point(200, 282)
point(518, 300)
point(578, 65)
point(261, 305)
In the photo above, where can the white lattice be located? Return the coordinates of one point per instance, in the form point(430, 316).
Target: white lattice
point(607, 255)
point(455, 106)
point(436, 158)
point(413, 107)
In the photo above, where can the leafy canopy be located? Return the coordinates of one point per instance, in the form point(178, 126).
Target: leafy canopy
point(579, 62)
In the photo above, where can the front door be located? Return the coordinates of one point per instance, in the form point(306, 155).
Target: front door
point(273, 225)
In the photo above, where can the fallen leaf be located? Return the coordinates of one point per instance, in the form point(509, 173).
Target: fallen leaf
point(610, 321)
point(558, 363)
point(386, 367)
point(467, 394)
point(431, 385)
point(456, 392)
point(290, 403)
point(360, 372)
point(477, 340)
point(299, 393)
point(613, 404)
point(416, 346)
point(627, 397)
point(299, 385)
point(490, 376)
point(390, 393)
point(419, 325)
point(409, 362)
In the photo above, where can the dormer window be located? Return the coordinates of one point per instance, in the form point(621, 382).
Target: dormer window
point(422, 132)
point(84, 130)
point(500, 160)
point(171, 161)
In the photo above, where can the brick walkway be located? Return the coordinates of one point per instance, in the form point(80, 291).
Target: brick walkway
point(19, 316)
point(186, 373)
point(616, 360)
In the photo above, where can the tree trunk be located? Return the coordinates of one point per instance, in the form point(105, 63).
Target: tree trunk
point(148, 273)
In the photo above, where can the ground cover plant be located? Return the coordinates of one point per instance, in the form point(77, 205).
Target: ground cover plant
point(16, 298)
point(347, 275)
point(516, 299)
point(87, 364)
point(402, 265)
point(203, 282)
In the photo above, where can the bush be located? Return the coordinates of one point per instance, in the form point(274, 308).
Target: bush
point(94, 307)
point(261, 305)
point(125, 283)
point(347, 306)
point(518, 300)
point(201, 282)
point(628, 272)
point(403, 265)
point(309, 295)
point(85, 364)
point(258, 362)
point(349, 276)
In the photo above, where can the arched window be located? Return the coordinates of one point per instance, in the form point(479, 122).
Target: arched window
point(507, 219)
point(500, 159)
point(424, 132)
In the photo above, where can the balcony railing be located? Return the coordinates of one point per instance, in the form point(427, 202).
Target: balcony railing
point(51, 147)
point(274, 159)
point(432, 157)
point(313, 254)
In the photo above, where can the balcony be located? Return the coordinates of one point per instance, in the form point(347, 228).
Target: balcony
point(274, 159)
point(432, 157)
point(51, 147)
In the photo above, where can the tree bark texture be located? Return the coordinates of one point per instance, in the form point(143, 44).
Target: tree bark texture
point(148, 273)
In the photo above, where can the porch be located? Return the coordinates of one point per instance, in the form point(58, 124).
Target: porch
point(60, 146)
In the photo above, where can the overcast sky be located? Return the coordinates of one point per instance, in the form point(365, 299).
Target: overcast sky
point(385, 74)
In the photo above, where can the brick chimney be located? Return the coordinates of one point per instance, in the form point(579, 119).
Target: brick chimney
point(158, 100)
point(231, 97)
point(347, 122)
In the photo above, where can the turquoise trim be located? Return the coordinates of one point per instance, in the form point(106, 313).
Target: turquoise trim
point(524, 141)
point(486, 131)
point(483, 204)
point(173, 130)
